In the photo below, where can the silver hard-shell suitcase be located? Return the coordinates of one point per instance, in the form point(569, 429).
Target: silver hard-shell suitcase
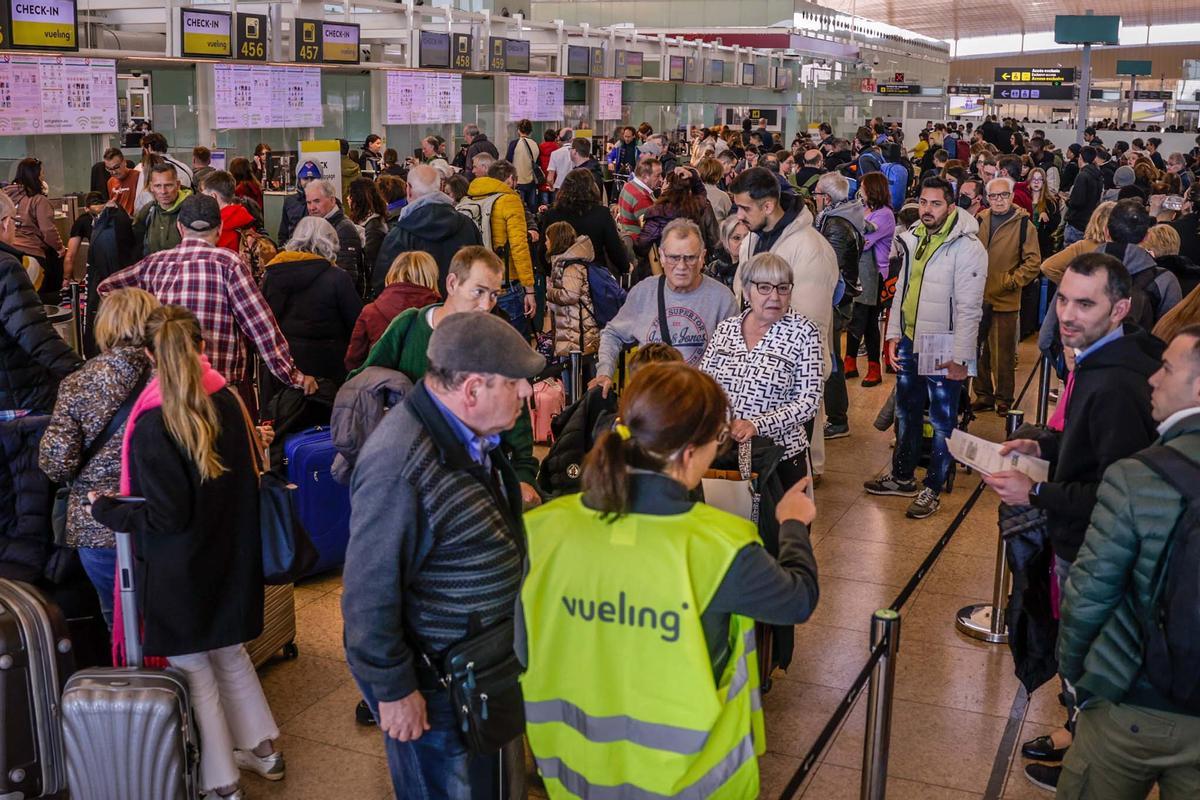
point(128, 732)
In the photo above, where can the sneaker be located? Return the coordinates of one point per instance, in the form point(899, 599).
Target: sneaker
point(236, 795)
point(1002, 408)
point(924, 505)
point(270, 767)
point(850, 366)
point(1044, 776)
point(835, 431)
point(886, 484)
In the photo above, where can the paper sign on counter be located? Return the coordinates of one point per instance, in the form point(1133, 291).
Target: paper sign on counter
point(984, 457)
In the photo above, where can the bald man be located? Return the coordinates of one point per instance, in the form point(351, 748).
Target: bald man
point(814, 168)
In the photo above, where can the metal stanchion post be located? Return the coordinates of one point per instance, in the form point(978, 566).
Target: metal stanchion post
point(884, 624)
point(1043, 398)
point(985, 621)
point(77, 315)
point(576, 377)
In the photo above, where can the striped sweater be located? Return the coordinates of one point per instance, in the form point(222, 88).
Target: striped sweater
point(632, 205)
point(432, 546)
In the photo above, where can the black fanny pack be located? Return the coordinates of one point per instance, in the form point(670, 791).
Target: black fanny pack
point(481, 673)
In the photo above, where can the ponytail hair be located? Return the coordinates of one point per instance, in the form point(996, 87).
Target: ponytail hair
point(666, 407)
point(188, 411)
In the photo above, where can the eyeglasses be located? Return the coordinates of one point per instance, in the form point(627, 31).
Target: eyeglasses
point(691, 261)
point(765, 289)
point(998, 195)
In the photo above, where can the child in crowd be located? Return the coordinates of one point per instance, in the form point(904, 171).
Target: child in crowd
point(568, 293)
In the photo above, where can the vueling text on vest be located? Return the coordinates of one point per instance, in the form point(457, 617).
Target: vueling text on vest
point(623, 613)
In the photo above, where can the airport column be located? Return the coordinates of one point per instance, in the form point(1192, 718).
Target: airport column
point(1085, 87)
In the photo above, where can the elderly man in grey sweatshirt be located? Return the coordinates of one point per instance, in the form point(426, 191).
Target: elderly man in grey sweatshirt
point(682, 301)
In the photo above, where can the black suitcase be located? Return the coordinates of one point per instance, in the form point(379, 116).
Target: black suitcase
point(128, 731)
point(35, 658)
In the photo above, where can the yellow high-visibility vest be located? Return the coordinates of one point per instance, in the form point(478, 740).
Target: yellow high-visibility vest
point(620, 697)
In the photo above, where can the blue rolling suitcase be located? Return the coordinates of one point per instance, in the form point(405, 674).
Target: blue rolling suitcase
point(322, 503)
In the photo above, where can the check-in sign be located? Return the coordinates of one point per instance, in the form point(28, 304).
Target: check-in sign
point(206, 34)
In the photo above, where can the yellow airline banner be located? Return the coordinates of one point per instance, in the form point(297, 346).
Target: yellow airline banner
point(206, 34)
point(44, 24)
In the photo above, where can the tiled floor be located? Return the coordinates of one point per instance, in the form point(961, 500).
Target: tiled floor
point(954, 695)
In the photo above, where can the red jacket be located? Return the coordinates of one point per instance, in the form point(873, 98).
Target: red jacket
point(376, 317)
point(234, 217)
point(1021, 197)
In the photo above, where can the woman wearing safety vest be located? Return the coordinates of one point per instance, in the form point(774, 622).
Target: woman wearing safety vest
point(636, 616)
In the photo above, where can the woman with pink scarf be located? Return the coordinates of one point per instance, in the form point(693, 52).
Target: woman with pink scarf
point(187, 452)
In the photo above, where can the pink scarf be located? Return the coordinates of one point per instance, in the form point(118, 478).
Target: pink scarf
point(151, 397)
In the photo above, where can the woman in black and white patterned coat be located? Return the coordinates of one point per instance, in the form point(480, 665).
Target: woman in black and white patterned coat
point(768, 360)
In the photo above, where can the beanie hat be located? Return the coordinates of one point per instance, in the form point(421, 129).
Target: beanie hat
point(308, 170)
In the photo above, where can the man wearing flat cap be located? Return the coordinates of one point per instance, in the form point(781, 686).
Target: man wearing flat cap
point(436, 547)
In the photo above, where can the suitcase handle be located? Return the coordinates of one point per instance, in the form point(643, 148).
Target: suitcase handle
point(129, 605)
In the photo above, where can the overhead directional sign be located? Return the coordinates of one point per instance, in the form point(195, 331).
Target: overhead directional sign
point(1133, 67)
point(1053, 75)
point(1032, 91)
point(898, 88)
point(972, 90)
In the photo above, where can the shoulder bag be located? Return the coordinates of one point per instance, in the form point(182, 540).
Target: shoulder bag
point(664, 331)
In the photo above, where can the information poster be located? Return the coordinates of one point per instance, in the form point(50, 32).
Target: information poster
point(42, 25)
point(609, 106)
point(57, 95)
point(326, 156)
point(254, 96)
point(423, 98)
point(531, 98)
point(206, 34)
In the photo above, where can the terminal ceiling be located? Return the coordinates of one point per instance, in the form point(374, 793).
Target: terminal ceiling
point(961, 19)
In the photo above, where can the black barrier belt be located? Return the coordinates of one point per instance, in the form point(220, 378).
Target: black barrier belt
point(864, 675)
point(835, 722)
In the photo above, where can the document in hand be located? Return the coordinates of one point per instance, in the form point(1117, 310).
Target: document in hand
point(984, 456)
point(938, 348)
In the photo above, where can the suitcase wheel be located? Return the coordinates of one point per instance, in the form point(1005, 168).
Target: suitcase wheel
point(291, 651)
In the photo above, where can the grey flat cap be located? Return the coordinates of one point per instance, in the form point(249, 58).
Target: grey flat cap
point(475, 342)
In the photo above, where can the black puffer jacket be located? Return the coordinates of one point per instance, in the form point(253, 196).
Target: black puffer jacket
point(113, 248)
point(846, 241)
point(33, 357)
point(575, 431)
point(316, 305)
point(25, 535)
point(431, 225)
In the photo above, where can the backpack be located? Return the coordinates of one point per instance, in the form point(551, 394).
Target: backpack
point(872, 156)
point(1146, 296)
point(479, 211)
point(607, 293)
point(897, 178)
point(549, 399)
point(1171, 625)
point(256, 250)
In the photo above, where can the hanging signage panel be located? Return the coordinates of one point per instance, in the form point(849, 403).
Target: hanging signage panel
point(261, 96)
point(252, 37)
point(306, 35)
point(462, 51)
point(205, 34)
point(41, 25)
point(898, 88)
point(339, 43)
point(610, 100)
point(1017, 91)
point(537, 99)
point(423, 98)
point(1055, 75)
point(40, 94)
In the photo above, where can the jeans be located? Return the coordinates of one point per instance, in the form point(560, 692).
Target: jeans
point(912, 392)
point(100, 564)
point(438, 765)
point(512, 302)
point(230, 708)
point(528, 193)
point(837, 400)
point(1071, 235)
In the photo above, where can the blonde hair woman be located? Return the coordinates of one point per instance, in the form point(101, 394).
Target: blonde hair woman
point(1094, 235)
point(82, 444)
point(411, 282)
point(187, 451)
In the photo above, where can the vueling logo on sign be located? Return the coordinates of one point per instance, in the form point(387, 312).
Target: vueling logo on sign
point(44, 23)
point(625, 613)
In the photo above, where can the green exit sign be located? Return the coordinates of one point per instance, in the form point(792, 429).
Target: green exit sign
point(1133, 68)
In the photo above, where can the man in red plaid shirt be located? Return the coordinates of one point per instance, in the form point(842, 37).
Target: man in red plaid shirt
point(216, 286)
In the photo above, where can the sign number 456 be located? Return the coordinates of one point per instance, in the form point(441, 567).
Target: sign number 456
point(253, 50)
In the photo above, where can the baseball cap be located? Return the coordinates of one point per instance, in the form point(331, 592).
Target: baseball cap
point(200, 213)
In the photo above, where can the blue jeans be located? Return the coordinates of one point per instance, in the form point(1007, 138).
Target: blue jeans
point(100, 564)
point(437, 766)
point(512, 303)
point(912, 392)
point(1071, 235)
point(529, 194)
